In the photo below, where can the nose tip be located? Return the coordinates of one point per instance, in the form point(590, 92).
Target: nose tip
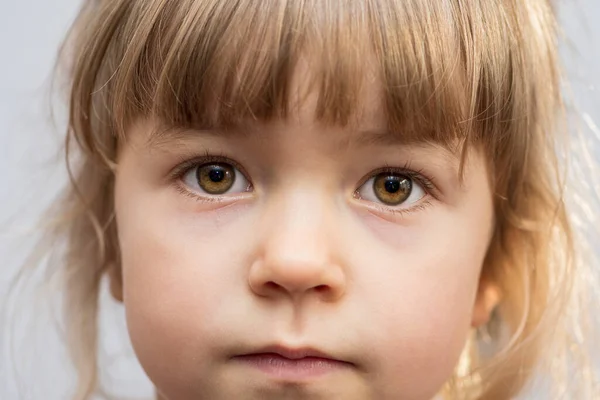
point(297, 253)
point(269, 278)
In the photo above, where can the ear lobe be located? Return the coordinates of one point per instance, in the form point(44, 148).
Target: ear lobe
point(116, 281)
point(488, 298)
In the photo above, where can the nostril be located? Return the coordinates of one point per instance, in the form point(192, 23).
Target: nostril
point(321, 288)
point(273, 286)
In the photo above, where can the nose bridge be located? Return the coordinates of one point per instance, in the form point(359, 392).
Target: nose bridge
point(298, 254)
point(296, 231)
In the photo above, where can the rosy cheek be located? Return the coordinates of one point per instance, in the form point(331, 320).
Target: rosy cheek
point(419, 292)
point(422, 323)
point(177, 267)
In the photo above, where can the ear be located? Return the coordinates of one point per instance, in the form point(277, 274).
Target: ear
point(488, 297)
point(116, 281)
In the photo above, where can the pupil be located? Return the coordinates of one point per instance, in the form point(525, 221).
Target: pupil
point(217, 174)
point(392, 185)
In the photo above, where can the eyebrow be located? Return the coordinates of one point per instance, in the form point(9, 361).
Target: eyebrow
point(381, 137)
point(162, 135)
point(354, 138)
point(384, 137)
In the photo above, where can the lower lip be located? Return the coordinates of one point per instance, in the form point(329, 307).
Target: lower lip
point(284, 368)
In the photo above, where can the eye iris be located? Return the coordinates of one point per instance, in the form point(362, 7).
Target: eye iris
point(216, 178)
point(392, 189)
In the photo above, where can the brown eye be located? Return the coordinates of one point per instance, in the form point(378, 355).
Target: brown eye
point(216, 178)
point(392, 189)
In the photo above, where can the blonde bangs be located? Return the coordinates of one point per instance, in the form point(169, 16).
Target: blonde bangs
point(443, 73)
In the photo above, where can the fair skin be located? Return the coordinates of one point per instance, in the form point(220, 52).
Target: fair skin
point(300, 253)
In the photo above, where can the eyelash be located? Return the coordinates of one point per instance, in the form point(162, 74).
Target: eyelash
point(419, 176)
point(403, 211)
point(186, 164)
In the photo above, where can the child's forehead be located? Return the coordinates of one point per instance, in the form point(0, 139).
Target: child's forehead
point(367, 112)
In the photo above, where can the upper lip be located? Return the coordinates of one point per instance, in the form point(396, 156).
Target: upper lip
point(293, 353)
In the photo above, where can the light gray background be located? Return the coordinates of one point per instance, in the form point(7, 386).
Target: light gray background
point(30, 33)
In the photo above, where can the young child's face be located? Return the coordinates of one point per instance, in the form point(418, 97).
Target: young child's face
point(293, 260)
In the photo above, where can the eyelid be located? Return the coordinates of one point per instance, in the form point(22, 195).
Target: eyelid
point(401, 212)
point(422, 179)
point(177, 174)
point(420, 176)
point(187, 163)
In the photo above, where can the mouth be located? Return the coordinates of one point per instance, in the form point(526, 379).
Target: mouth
point(290, 364)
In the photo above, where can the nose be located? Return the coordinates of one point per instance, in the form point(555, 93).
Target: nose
point(297, 253)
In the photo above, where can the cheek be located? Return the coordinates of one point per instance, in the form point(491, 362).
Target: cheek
point(420, 296)
point(177, 270)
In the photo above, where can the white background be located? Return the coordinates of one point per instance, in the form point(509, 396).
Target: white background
point(30, 33)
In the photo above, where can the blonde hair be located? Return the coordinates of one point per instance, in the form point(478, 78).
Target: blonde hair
point(483, 72)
